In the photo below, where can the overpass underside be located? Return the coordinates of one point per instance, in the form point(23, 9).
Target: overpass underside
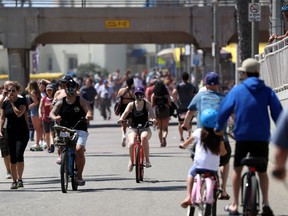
point(22, 29)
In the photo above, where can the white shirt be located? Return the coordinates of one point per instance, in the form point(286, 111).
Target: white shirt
point(204, 159)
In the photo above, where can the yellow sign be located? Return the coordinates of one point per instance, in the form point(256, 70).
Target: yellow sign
point(117, 24)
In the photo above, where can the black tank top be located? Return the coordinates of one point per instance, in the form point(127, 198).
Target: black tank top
point(139, 117)
point(71, 114)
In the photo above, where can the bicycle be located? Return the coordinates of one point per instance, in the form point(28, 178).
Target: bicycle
point(204, 195)
point(66, 139)
point(250, 194)
point(138, 153)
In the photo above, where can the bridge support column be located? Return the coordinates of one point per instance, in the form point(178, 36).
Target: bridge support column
point(19, 65)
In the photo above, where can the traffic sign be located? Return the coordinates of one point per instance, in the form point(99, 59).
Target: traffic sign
point(254, 10)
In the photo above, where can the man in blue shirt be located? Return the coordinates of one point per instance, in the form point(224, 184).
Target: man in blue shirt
point(249, 101)
point(210, 99)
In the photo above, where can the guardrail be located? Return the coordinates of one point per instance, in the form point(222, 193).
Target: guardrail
point(116, 3)
point(274, 65)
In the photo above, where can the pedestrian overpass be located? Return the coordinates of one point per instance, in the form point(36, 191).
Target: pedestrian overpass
point(22, 29)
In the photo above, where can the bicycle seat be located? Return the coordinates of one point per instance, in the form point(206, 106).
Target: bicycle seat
point(253, 161)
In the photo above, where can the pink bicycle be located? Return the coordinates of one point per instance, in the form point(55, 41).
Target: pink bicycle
point(204, 194)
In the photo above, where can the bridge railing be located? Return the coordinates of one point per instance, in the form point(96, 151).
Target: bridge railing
point(116, 3)
point(274, 65)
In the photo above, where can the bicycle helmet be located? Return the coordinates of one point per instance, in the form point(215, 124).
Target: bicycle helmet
point(284, 8)
point(208, 118)
point(71, 87)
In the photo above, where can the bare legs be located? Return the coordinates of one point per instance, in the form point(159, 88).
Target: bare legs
point(162, 127)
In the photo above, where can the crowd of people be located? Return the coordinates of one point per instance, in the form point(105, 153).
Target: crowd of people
point(150, 97)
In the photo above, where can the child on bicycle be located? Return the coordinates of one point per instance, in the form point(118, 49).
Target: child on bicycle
point(141, 111)
point(209, 148)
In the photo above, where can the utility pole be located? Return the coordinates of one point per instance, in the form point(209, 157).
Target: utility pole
point(276, 27)
point(255, 27)
point(215, 44)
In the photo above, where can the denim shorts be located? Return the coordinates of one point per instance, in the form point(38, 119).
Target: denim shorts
point(82, 139)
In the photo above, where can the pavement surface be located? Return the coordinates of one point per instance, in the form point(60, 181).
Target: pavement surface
point(110, 189)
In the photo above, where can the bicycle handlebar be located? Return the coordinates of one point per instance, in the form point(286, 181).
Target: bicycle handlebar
point(70, 130)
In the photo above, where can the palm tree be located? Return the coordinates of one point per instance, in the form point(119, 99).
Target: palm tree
point(244, 29)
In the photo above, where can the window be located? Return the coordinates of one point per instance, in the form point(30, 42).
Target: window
point(72, 63)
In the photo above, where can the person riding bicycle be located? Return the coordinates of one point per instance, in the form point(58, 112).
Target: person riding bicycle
point(209, 148)
point(68, 111)
point(140, 111)
point(249, 101)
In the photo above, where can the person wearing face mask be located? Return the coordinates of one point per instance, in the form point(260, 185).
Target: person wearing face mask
point(140, 111)
point(68, 112)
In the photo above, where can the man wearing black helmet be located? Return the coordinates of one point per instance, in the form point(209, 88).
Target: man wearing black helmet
point(140, 110)
point(276, 37)
point(67, 112)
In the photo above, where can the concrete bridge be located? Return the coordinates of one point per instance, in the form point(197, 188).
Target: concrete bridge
point(22, 29)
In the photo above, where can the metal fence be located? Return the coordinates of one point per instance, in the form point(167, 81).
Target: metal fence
point(274, 65)
point(117, 3)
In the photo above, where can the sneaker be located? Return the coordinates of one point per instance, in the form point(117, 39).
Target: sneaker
point(49, 150)
point(130, 166)
point(14, 185)
point(52, 147)
point(35, 147)
point(148, 165)
point(58, 161)
point(43, 144)
point(20, 183)
point(81, 182)
point(8, 175)
point(267, 211)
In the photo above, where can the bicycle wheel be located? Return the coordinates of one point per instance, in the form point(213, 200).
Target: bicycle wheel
point(214, 205)
point(64, 172)
point(254, 196)
point(200, 209)
point(191, 210)
point(141, 164)
point(73, 174)
point(247, 198)
point(137, 164)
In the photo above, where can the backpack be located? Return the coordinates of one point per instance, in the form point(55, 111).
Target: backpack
point(118, 103)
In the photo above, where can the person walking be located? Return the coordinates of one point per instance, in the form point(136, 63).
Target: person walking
point(106, 94)
point(250, 101)
point(45, 107)
point(161, 101)
point(35, 97)
point(14, 109)
point(89, 92)
point(280, 141)
point(67, 112)
point(210, 99)
point(127, 94)
point(183, 95)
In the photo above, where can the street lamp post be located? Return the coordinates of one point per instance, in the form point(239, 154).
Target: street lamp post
point(215, 46)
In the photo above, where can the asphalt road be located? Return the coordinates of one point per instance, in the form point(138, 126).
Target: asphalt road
point(110, 189)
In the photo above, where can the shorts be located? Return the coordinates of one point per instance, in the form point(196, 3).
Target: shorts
point(48, 126)
point(34, 111)
point(134, 130)
point(82, 139)
point(226, 158)
point(4, 146)
point(255, 148)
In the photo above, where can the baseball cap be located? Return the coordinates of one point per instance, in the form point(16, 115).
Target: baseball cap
point(105, 81)
point(212, 78)
point(250, 65)
point(49, 86)
point(139, 89)
point(66, 78)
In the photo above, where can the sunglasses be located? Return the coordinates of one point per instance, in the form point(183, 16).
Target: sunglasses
point(12, 90)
